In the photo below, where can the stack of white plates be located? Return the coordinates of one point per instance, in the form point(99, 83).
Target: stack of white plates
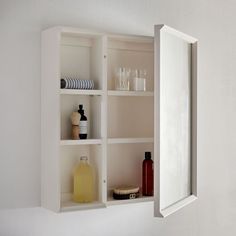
point(71, 83)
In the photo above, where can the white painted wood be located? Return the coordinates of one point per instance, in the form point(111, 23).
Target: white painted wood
point(130, 140)
point(72, 206)
point(70, 55)
point(121, 123)
point(69, 158)
point(96, 117)
point(194, 117)
point(178, 205)
point(134, 39)
point(140, 199)
point(104, 121)
point(129, 45)
point(96, 151)
point(130, 52)
point(174, 161)
point(75, 61)
point(81, 142)
point(131, 93)
point(50, 120)
point(68, 40)
point(176, 33)
point(124, 164)
point(91, 105)
point(175, 119)
point(80, 32)
point(81, 57)
point(80, 92)
point(130, 116)
point(97, 62)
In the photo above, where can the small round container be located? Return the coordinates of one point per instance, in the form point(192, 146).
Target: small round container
point(126, 192)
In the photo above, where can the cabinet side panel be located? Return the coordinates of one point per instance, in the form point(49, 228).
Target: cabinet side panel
point(157, 165)
point(194, 118)
point(50, 119)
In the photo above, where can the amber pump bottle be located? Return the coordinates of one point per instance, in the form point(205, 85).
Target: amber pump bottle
point(147, 175)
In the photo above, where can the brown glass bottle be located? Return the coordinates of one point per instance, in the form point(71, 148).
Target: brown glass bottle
point(147, 175)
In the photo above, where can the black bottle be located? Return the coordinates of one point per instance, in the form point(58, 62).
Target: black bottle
point(83, 123)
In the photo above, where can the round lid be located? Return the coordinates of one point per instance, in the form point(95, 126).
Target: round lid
point(126, 189)
point(147, 155)
point(83, 158)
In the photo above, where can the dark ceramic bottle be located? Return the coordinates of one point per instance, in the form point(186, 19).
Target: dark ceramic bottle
point(147, 175)
point(83, 123)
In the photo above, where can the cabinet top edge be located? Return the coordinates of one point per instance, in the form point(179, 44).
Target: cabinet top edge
point(168, 29)
point(73, 31)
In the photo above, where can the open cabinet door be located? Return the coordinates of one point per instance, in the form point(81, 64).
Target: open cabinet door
point(175, 135)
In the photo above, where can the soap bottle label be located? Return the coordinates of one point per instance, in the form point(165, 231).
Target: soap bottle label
point(83, 127)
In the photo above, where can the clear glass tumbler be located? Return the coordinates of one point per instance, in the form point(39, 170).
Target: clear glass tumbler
point(122, 77)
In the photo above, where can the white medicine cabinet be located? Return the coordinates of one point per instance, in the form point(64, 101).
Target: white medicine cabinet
point(122, 125)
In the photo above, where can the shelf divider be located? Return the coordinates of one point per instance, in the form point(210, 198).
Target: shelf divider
point(80, 142)
point(130, 140)
point(73, 206)
point(81, 92)
point(112, 201)
point(130, 93)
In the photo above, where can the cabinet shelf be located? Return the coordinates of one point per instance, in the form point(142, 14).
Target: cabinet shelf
point(112, 201)
point(131, 93)
point(73, 206)
point(130, 140)
point(80, 142)
point(81, 92)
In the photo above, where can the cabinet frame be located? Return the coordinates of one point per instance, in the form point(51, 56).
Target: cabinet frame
point(50, 104)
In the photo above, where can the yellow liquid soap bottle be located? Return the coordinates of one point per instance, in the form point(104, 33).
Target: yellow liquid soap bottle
point(84, 182)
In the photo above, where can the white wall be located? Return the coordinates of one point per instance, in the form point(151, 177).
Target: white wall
point(211, 21)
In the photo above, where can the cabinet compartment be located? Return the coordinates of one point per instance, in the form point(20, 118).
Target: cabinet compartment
point(69, 157)
point(130, 117)
point(92, 107)
point(82, 57)
point(133, 53)
point(124, 167)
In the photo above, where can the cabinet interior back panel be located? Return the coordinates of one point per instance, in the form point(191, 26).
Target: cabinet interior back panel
point(130, 117)
point(82, 58)
point(92, 108)
point(75, 61)
point(130, 55)
point(124, 164)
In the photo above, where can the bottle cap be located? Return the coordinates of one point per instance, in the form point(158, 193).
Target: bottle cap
point(83, 158)
point(81, 110)
point(147, 155)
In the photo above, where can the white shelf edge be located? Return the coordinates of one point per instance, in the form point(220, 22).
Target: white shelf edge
point(81, 92)
point(131, 49)
point(72, 206)
point(130, 140)
point(130, 93)
point(80, 142)
point(112, 201)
